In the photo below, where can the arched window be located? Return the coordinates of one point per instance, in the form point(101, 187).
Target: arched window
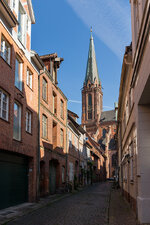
point(89, 106)
point(104, 133)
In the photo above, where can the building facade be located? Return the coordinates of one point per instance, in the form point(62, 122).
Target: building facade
point(134, 114)
point(53, 128)
point(18, 105)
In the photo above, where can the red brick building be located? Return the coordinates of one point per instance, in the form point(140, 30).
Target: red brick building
point(53, 128)
point(18, 105)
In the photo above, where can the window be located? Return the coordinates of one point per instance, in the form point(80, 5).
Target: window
point(61, 138)
point(3, 105)
point(127, 111)
point(28, 121)
point(70, 138)
point(29, 78)
point(131, 161)
point(104, 133)
point(62, 109)
point(14, 4)
point(89, 106)
point(54, 134)
point(63, 174)
point(17, 122)
point(5, 50)
point(75, 143)
point(54, 103)
point(44, 89)
point(21, 26)
point(44, 126)
point(18, 75)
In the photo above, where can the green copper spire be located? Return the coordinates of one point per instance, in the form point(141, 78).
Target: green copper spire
point(91, 70)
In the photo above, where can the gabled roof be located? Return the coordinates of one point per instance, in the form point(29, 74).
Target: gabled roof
point(108, 116)
point(91, 70)
point(76, 125)
point(72, 114)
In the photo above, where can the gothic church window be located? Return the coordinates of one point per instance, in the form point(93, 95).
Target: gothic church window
point(89, 106)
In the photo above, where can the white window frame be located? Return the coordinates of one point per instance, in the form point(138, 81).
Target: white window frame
point(28, 121)
point(19, 138)
point(44, 89)
point(18, 83)
point(22, 34)
point(1, 105)
point(29, 79)
point(44, 126)
point(5, 49)
point(70, 138)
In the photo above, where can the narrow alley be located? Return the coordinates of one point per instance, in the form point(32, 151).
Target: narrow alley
point(94, 205)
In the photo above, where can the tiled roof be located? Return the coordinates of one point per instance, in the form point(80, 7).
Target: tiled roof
point(91, 70)
point(108, 116)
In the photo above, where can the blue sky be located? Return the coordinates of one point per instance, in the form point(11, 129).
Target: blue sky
point(63, 26)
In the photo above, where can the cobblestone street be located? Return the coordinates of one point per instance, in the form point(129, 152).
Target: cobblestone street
point(88, 207)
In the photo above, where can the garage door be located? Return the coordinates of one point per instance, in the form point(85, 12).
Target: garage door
point(13, 180)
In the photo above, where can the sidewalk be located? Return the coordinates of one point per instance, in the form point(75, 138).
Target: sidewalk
point(120, 212)
point(11, 213)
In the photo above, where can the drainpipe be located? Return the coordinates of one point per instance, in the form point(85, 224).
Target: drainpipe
point(121, 157)
point(38, 152)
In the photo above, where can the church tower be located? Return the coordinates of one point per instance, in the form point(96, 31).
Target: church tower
point(91, 93)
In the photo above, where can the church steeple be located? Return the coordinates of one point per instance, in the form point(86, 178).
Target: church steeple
point(91, 69)
point(91, 93)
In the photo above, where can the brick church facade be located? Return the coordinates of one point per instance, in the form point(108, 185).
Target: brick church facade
point(101, 125)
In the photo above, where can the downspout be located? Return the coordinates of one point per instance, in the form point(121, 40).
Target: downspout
point(38, 153)
point(121, 157)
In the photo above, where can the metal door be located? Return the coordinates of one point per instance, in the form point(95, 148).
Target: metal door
point(52, 177)
point(13, 180)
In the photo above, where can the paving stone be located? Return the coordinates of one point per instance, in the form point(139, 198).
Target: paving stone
point(88, 207)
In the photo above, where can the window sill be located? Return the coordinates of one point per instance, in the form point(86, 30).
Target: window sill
point(19, 141)
point(44, 138)
point(45, 100)
point(4, 120)
point(21, 43)
point(6, 62)
point(30, 88)
point(29, 133)
point(20, 92)
point(131, 181)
